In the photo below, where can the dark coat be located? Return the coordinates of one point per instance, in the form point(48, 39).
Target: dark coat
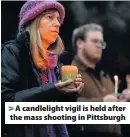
point(20, 82)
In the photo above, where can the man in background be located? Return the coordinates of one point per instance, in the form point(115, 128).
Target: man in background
point(88, 44)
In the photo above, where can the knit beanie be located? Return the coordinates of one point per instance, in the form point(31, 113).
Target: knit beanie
point(31, 9)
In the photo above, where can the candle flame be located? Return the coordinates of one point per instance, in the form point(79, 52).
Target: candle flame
point(116, 78)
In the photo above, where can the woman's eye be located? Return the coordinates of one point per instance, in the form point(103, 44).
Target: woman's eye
point(58, 19)
point(50, 17)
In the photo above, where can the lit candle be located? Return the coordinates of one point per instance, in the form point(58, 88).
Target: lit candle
point(69, 72)
point(116, 84)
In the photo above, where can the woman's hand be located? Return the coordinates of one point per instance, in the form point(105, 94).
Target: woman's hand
point(62, 86)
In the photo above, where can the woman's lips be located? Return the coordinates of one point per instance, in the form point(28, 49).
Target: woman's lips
point(55, 31)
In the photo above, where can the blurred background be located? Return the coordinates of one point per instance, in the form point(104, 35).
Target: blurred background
point(114, 16)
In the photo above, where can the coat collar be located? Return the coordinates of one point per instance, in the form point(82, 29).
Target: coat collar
point(77, 62)
point(81, 66)
point(23, 39)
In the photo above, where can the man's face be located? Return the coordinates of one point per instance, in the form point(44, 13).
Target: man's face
point(92, 46)
point(49, 27)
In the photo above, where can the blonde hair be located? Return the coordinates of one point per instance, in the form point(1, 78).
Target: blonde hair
point(36, 47)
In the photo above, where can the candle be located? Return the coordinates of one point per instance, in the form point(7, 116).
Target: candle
point(69, 72)
point(128, 81)
point(116, 84)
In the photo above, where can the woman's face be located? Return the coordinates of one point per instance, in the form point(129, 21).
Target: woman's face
point(49, 27)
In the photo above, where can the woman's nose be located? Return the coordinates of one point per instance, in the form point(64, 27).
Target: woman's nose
point(56, 23)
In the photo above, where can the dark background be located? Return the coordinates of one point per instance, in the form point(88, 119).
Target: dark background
point(113, 16)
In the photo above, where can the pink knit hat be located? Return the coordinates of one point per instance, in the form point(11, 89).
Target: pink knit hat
point(31, 9)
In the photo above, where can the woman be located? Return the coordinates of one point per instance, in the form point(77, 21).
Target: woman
point(30, 71)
